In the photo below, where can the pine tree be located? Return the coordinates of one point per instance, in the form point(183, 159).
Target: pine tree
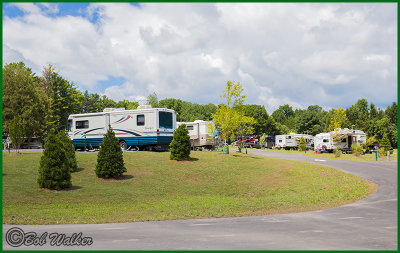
point(385, 143)
point(302, 144)
point(69, 149)
point(180, 145)
point(53, 170)
point(110, 160)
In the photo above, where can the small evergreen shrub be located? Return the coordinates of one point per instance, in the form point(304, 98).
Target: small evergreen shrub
point(69, 149)
point(357, 150)
point(337, 152)
point(385, 143)
point(110, 160)
point(180, 145)
point(53, 171)
point(302, 144)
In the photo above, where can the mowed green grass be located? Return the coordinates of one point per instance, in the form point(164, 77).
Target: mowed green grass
point(156, 188)
point(352, 157)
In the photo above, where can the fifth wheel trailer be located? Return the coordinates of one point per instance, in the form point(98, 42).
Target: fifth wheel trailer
point(145, 128)
point(292, 140)
point(339, 138)
point(199, 132)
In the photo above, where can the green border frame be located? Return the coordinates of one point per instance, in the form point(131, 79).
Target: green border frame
point(225, 1)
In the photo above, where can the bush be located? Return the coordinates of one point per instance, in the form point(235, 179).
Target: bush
point(53, 171)
point(302, 144)
point(337, 152)
point(385, 143)
point(110, 160)
point(382, 152)
point(69, 150)
point(357, 150)
point(180, 145)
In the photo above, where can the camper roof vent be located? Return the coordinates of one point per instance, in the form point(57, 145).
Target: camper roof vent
point(144, 107)
point(119, 109)
point(108, 110)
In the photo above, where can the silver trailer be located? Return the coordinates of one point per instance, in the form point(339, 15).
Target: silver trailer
point(199, 132)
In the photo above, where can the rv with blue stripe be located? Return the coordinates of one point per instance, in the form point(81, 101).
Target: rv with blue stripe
point(145, 128)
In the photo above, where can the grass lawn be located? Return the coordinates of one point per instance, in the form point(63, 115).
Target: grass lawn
point(366, 157)
point(155, 188)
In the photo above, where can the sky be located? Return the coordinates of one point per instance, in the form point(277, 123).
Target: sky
point(301, 54)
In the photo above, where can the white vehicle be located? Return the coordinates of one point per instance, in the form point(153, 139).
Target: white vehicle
point(345, 138)
point(144, 128)
point(200, 134)
point(292, 140)
point(269, 141)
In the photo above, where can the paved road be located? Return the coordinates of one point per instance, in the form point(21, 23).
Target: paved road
point(368, 224)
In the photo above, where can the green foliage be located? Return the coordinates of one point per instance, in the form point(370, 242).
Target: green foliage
point(93, 102)
point(385, 143)
point(302, 144)
point(356, 150)
point(16, 131)
point(110, 160)
point(337, 152)
point(53, 170)
point(262, 140)
point(64, 98)
point(233, 94)
point(391, 113)
point(371, 140)
point(69, 150)
point(308, 119)
point(152, 100)
point(283, 113)
point(264, 122)
point(180, 145)
point(382, 152)
point(23, 96)
point(338, 119)
point(230, 119)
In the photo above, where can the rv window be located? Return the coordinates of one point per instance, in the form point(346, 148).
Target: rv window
point(326, 140)
point(289, 137)
point(344, 140)
point(280, 140)
point(82, 124)
point(140, 120)
point(165, 119)
point(69, 126)
point(189, 127)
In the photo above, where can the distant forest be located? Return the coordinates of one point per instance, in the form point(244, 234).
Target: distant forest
point(44, 102)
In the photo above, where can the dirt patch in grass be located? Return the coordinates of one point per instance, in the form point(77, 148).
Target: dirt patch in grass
point(123, 177)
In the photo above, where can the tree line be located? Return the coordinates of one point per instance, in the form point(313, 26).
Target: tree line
point(42, 103)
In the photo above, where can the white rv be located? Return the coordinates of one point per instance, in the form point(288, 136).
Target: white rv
point(292, 140)
point(344, 139)
point(143, 128)
point(199, 133)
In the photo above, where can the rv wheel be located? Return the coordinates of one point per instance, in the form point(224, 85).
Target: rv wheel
point(123, 145)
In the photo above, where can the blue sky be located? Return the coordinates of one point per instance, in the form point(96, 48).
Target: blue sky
point(330, 54)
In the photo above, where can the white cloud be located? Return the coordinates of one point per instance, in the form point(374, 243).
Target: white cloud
point(299, 54)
